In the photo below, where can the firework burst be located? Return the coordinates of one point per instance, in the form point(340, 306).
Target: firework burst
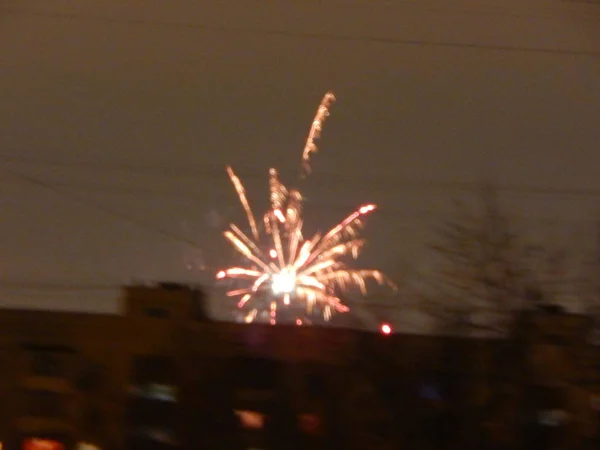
point(283, 268)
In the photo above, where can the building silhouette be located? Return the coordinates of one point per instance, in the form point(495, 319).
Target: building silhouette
point(163, 375)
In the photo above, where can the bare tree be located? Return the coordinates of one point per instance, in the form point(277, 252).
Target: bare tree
point(482, 285)
point(487, 281)
point(479, 274)
point(588, 286)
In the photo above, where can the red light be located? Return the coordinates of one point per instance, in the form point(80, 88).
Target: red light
point(386, 329)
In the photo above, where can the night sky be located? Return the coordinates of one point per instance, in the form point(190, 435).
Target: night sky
point(117, 120)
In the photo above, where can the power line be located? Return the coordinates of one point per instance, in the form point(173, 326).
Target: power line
point(490, 10)
point(386, 183)
point(54, 287)
point(106, 210)
point(409, 214)
point(116, 166)
point(303, 35)
point(64, 189)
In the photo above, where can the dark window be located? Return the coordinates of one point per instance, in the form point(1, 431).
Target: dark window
point(548, 398)
point(91, 378)
point(255, 373)
point(143, 412)
point(48, 364)
point(556, 339)
point(48, 360)
point(552, 309)
point(93, 418)
point(309, 423)
point(152, 404)
point(316, 384)
point(45, 404)
point(152, 438)
point(173, 286)
point(159, 313)
point(430, 391)
point(199, 305)
point(153, 369)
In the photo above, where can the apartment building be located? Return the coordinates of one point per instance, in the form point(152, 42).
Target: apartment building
point(163, 375)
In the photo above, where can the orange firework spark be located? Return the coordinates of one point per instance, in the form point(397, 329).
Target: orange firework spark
point(292, 268)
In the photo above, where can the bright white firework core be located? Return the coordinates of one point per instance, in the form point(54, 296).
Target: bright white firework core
point(283, 282)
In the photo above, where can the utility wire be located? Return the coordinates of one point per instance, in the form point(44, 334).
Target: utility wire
point(224, 199)
point(65, 187)
point(386, 183)
point(101, 207)
point(397, 213)
point(54, 287)
point(167, 171)
point(303, 35)
point(395, 6)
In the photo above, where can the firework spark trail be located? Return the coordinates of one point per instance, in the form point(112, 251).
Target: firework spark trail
point(239, 187)
point(285, 267)
point(315, 131)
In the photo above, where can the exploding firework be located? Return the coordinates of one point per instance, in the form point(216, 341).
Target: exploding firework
point(283, 268)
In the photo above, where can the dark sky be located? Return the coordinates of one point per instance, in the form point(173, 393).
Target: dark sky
point(99, 98)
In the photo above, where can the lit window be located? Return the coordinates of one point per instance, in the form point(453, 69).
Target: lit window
point(155, 391)
point(251, 419)
point(552, 417)
point(42, 444)
point(162, 392)
point(86, 446)
point(162, 435)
